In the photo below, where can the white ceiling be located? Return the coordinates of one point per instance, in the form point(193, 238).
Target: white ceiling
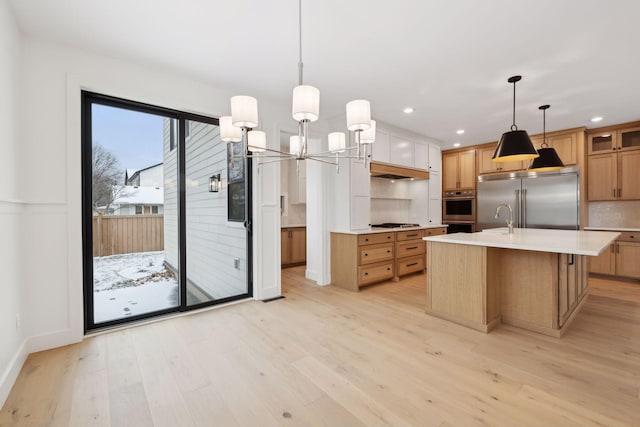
point(449, 60)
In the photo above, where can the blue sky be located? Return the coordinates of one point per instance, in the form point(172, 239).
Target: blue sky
point(134, 138)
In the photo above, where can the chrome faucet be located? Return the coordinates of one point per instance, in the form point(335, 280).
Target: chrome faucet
point(510, 220)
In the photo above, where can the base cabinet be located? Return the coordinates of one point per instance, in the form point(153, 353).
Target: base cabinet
point(362, 259)
point(293, 246)
point(620, 259)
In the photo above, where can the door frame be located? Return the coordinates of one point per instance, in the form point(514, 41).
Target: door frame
point(87, 100)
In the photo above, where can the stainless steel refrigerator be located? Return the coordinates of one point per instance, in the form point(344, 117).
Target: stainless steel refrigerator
point(538, 200)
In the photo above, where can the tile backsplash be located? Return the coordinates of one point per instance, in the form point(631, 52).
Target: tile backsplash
point(625, 214)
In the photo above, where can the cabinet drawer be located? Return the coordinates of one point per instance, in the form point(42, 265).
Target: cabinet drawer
point(375, 272)
point(435, 231)
point(409, 235)
point(629, 236)
point(411, 264)
point(409, 248)
point(375, 253)
point(372, 239)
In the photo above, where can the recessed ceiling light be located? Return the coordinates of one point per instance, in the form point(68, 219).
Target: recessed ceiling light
point(408, 110)
point(460, 131)
point(457, 144)
point(596, 119)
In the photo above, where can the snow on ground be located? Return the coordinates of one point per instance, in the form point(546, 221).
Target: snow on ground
point(130, 284)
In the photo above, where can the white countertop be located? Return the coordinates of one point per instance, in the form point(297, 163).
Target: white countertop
point(388, 230)
point(535, 239)
point(637, 230)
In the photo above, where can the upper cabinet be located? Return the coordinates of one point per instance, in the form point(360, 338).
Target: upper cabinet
point(394, 147)
point(459, 170)
point(613, 164)
point(381, 146)
point(486, 165)
point(566, 145)
point(435, 158)
point(611, 140)
point(400, 151)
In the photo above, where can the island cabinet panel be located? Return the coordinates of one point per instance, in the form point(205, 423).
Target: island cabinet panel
point(468, 297)
point(524, 302)
point(572, 285)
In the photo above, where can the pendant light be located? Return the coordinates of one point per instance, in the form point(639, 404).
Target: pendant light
point(514, 145)
point(549, 159)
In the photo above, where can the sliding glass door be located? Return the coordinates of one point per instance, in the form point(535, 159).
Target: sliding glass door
point(157, 233)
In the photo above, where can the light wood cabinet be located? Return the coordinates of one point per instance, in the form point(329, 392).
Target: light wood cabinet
point(293, 246)
point(459, 170)
point(486, 165)
point(614, 139)
point(362, 259)
point(614, 176)
point(620, 259)
point(572, 284)
point(566, 146)
point(601, 142)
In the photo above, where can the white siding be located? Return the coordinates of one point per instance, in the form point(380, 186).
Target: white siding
point(170, 199)
point(212, 242)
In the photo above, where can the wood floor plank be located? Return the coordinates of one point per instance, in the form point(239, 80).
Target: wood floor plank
point(324, 356)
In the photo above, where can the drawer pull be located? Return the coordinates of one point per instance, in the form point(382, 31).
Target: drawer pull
point(388, 237)
point(366, 254)
point(632, 237)
point(366, 239)
point(412, 248)
point(388, 268)
point(388, 251)
point(366, 274)
point(412, 264)
point(412, 235)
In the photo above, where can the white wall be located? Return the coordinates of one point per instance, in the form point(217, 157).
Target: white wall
point(49, 158)
point(12, 349)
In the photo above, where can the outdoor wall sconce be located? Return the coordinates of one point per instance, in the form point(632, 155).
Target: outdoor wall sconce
point(214, 183)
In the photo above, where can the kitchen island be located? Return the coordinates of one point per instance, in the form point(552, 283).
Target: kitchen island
point(534, 279)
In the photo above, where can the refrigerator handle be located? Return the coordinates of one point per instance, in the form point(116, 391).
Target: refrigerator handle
point(517, 219)
point(523, 195)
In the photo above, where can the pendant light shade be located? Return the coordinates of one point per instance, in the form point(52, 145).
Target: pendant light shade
point(549, 159)
point(244, 111)
point(294, 145)
point(229, 132)
point(257, 140)
point(337, 142)
point(358, 115)
point(306, 103)
point(369, 136)
point(514, 145)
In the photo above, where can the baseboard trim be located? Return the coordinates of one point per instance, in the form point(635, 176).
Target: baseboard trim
point(52, 340)
point(12, 371)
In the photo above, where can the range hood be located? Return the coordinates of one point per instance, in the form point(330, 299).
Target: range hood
point(385, 170)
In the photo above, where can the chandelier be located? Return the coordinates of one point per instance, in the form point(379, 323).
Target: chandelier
point(239, 127)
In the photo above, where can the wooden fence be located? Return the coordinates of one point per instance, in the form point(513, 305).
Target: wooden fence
point(124, 234)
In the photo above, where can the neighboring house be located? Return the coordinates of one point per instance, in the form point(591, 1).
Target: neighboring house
point(134, 200)
point(147, 177)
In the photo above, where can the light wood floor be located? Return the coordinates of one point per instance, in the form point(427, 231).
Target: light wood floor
point(325, 356)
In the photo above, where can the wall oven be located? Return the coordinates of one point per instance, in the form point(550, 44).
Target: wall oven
point(460, 227)
point(459, 206)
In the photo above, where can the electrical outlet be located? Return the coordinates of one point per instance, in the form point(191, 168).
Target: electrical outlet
point(236, 263)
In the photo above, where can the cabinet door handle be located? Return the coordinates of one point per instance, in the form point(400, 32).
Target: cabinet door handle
point(617, 248)
point(412, 264)
point(613, 248)
point(571, 260)
point(614, 192)
point(619, 192)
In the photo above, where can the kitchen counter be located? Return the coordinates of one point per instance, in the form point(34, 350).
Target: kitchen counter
point(387, 230)
point(631, 229)
point(532, 239)
point(535, 279)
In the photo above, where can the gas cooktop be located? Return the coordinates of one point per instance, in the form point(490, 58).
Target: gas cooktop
point(394, 225)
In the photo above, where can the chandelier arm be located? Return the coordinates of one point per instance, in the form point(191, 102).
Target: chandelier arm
point(317, 156)
point(322, 161)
